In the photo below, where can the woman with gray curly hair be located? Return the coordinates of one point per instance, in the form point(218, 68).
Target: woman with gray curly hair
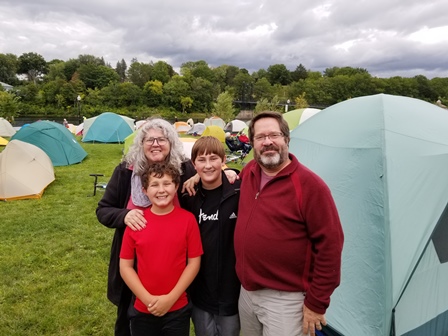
point(123, 201)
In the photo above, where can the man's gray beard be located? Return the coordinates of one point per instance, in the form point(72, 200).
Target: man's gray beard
point(270, 162)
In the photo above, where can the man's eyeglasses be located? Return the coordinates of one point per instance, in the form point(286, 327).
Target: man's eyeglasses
point(271, 136)
point(160, 140)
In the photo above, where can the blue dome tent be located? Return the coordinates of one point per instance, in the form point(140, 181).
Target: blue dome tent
point(108, 127)
point(385, 160)
point(55, 140)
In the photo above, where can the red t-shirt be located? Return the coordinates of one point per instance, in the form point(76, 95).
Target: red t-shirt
point(162, 249)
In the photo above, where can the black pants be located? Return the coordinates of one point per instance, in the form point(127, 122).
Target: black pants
point(122, 327)
point(176, 323)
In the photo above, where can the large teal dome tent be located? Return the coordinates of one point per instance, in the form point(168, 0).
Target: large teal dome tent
point(108, 127)
point(385, 159)
point(55, 140)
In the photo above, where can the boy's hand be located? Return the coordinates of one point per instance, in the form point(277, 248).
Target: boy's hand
point(189, 185)
point(160, 305)
point(232, 176)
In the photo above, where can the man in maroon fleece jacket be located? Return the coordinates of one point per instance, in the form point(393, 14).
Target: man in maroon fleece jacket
point(288, 238)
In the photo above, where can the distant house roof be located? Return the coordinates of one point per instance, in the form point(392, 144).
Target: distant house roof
point(7, 87)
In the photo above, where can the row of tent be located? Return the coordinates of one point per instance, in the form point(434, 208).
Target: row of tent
point(52, 144)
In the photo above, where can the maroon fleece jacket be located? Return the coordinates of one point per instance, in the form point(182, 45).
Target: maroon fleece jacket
point(288, 236)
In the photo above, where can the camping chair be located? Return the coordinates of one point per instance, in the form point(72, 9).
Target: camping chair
point(96, 184)
point(238, 150)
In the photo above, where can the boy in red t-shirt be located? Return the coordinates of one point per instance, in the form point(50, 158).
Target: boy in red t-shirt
point(170, 238)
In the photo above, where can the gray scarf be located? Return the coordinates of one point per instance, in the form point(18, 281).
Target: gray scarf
point(139, 198)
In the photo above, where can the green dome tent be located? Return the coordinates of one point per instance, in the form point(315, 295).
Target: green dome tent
point(298, 116)
point(385, 160)
point(55, 140)
point(215, 131)
point(108, 127)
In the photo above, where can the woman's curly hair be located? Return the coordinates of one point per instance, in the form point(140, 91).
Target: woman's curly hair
point(136, 155)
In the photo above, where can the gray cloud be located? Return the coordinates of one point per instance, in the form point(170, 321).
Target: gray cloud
point(386, 37)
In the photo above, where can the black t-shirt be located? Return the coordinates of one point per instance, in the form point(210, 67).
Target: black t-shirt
point(205, 285)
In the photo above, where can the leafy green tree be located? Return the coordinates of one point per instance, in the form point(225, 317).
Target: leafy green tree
point(139, 73)
point(121, 68)
point(262, 89)
point(70, 68)
point(296, 89)
point(243, 84)
point(201, 91)
point(344, 71)
point(440, 87)
point(223, 107)
point(197, 69)
point(186, 103)
point(314, 75)
point(300, 101)
point(318, 91)
point(278, 74)
point(299, 73)
point(56, 70)
point(174, 90)
point(225, 75)
point(122, 95)
point(162, 71)
point(261, 73)
point(8, 68)
point(425, 90)
point(97, 76)
point(266, 105)
point(51, 89)
point(9, 105)
point(33, 65)
point(401, 86)
point(93, 97)
point(153, 93)
point(91, 59)
point(28, 92)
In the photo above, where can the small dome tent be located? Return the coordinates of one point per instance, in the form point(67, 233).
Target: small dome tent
point(55, 140)
point(25, 171)
point(214, 121)
point(235, 126)
point(215, 131)
point(181, 127)
point(197, 128)
point(6, 128)
point(108, 127)
point(298, 116)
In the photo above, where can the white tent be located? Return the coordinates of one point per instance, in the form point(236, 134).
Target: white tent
point(6, 128)
point(25, 171)
point(197, 128)
point(214, 121)
point(235, 126)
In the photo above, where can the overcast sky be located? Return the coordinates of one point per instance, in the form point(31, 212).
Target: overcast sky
point(386, 37)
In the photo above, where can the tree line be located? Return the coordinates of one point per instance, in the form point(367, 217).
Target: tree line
point(88, 86)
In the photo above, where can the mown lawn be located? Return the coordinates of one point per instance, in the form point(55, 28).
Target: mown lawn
point(54, 255)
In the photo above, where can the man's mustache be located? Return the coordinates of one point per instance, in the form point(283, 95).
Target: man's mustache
point(268, 148)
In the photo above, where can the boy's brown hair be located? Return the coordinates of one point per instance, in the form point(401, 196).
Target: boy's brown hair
point(158, 170)
point(207, 145)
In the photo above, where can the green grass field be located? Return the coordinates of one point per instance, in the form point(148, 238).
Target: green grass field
point(54, 255)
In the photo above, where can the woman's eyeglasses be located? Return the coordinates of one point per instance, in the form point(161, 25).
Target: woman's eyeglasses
point(160, 140)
